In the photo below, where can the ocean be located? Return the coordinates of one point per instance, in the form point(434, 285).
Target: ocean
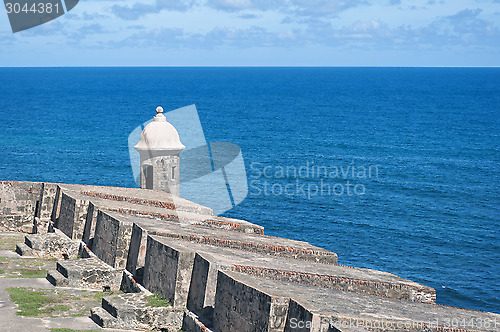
point(394, 169)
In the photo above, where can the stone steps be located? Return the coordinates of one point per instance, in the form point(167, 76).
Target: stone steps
point(49, 245)
point(87, 273)
point(332, 310)
point(181, 217)
point(154, 198)
point(160, 213)
point(131, 311)
point(57, 279)
point(23, 250)
point(104, 319)
point(247, 242)
point(339, 277)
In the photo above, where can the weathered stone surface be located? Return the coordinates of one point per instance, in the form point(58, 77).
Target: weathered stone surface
point(49, 245)
point(178, 216)
point(241, 306)
point(41, 225)
point(235, 240)
point(153, 198)
point(168, 270)
point(209, 260)
point(112, 239)
point(346, 309)
point(87, 273)
point(18, 202)
point(137, 251)
point(72, 215)
point(228, 274)
point(131, 311)
point(48, 195)
point(56, 208)
point(90, 223)
point(201, 297)
point(192, 323)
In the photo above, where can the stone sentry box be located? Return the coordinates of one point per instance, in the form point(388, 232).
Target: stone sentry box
point(159, 148)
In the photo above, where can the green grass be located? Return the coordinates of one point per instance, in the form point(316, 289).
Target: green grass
point(31, 263)
point(71, 330)
point(29, 273)
point(32, 303)
point(100, 295)
point(7, 243)
point(156, 300)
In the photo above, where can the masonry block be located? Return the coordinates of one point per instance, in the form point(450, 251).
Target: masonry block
point(201, 297)
point(112, 240)
point(18, 204)
point(87, 273)
point(131, 311)
point(72, 216)
point(137, 251)
point(168, 270)
point(243, 307)
point(49, 245)
point(90, 222)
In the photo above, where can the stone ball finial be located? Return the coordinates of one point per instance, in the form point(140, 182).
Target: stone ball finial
point(159, 135)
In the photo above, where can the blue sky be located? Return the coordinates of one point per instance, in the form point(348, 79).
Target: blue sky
point(261, 33)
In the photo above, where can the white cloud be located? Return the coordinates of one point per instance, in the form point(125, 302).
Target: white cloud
point(140, 9)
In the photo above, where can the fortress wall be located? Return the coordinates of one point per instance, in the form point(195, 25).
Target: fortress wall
point(18, 204)
point(72, 216)
point(394, 290)
point(302, 319)
point(56, 208)
point(168, 271)
point(137, 250)
point(241, 307)
point(43, 214)
point(201, 297)
point(47, 199)
point(112, 240)
point(192, 323)
point(90, 222)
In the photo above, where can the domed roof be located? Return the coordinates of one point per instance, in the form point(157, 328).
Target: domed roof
point(159, 135)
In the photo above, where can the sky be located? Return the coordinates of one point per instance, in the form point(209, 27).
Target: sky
point(261, 33)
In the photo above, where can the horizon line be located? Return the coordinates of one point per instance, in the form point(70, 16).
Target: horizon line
point(245, 66)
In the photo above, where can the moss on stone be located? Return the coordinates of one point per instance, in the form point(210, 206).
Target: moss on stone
point(156, 300)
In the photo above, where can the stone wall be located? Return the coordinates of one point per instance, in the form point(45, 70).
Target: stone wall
point(300, 319)
point(90, 222)
point(240, 307)
point(72, 216)
point(137, 251)
point(168, 270)
point(227, 280)
point(112, 240)
point(201, 298)
point(18, 205)
point(48, 196)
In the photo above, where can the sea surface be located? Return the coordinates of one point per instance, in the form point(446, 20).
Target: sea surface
point(423, 201)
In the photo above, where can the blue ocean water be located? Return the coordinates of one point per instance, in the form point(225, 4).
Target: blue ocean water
point(429, 211)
